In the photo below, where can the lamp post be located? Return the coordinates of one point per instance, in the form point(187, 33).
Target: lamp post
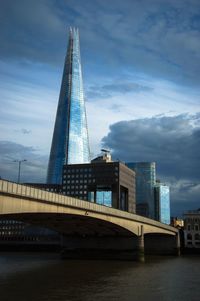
point(19, 169)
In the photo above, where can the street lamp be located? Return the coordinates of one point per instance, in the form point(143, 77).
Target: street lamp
point(19, 168)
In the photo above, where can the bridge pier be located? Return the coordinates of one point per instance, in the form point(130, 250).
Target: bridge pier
point(140, 246)
point(178, 245)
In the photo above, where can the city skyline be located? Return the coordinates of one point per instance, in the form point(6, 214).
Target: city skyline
point(141, 73)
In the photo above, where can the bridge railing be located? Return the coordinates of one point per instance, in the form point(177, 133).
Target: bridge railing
point(32, 193)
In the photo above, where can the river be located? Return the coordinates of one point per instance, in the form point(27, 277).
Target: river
point(41, 276)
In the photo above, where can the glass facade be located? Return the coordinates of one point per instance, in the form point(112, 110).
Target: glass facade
point(145, 181)
point(104, 197)
point(162, 203)
point(70, 143)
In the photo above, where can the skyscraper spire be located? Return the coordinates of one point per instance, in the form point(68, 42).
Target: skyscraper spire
point(70, 143)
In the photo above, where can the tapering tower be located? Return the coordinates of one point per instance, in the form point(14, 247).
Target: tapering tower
point(70, 143)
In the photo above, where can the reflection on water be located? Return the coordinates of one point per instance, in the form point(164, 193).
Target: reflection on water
point(27, 277)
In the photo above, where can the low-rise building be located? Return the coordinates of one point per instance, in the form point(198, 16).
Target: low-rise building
point(177, 222)
point(192, 229)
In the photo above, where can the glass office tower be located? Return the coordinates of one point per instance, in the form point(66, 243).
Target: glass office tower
point(145, 181)
point(162, 203)
point(70, 143)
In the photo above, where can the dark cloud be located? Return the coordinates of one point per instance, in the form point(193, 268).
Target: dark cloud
point(109, 90)
point(30, 30)
point(172, 142)
point(33, 170)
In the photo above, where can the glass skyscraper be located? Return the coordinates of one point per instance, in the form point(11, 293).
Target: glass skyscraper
point(145, 181)
point(152, 197)
point(162, 203)
point(70, 143)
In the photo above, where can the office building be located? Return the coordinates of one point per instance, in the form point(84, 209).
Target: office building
point(70, 144)
point(152, 197)
point(162, 203)
point(145, 181)
point(102, 181)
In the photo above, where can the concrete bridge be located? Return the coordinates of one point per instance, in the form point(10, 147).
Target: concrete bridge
point(85, 225)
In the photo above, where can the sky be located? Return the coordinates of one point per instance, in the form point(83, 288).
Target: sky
point(141, 73)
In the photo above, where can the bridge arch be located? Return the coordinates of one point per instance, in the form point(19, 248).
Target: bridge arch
point(70, 224)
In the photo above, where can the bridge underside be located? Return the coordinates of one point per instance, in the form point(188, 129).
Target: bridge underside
point(86, 235)
point(70, 224)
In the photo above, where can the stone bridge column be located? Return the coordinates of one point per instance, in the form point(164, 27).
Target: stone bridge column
point(140, 246)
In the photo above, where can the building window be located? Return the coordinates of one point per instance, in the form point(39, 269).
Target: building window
point(189, 227)
point(196, 227)
point(197, 236)
point(189, 236)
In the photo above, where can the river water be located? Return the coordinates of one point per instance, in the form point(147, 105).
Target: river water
point(41, 276)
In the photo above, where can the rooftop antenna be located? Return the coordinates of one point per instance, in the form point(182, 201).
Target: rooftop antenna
point(105, 150)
